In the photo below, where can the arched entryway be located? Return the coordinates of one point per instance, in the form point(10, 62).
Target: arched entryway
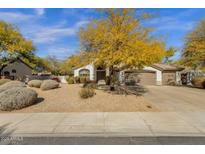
point(84, 73)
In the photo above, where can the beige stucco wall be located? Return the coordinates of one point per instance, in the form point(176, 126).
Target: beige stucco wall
point(21, 70)
point(168, 76)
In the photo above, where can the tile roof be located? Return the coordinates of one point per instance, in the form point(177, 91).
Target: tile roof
point(166, 67)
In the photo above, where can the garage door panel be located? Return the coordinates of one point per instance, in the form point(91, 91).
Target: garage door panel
point(144, 78)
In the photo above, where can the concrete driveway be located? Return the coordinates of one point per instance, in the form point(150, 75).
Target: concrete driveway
point(171, 98)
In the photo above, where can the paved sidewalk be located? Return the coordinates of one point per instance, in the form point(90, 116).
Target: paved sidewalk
point(118, 124)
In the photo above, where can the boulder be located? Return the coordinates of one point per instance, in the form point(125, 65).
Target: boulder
point(35, 83)
point(49, 84)
point(11, 84)
point(17, 98)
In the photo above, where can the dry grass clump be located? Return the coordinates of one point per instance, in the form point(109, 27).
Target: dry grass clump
point(35, 83)
point(84, 79)
point(91, 85)
point(17, 98)
point(198, 82)
point(49, 84)
point(86, 93)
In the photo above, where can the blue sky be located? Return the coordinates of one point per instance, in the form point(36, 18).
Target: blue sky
point(54, 31)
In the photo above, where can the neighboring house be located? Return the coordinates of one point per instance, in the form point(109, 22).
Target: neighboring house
point(16, 70)
point(156, 74)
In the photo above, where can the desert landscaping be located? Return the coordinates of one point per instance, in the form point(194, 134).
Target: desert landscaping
point(66, 99)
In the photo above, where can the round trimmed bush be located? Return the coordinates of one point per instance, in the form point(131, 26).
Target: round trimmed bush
point(17, 98)
point(198, 82)
point(11, 84)
point(86, 93)
point(2, 81)
point(35, 83)
point(49, 84)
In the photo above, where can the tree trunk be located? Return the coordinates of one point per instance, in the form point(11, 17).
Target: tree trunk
point(111, 76)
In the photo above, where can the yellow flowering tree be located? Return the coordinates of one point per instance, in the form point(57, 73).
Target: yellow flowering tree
point(194, 50)
point(13, 44)
point(119, 39)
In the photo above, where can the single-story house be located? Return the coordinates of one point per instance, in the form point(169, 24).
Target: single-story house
point(156, 74)
point(16, 70)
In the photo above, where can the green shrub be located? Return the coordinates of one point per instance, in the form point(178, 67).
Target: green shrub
point(76, 79)
point(90, 84)
point(2, 81)
point(86, 93)
point(70, 80)
point(198, 82)
point(115, 80)
point(84, 79)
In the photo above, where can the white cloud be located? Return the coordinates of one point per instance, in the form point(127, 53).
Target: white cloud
point(176, 25)
point(49, 34)
point(81, 23)
point(40, 11)
point(15, 17)
point(60, 52)
point(173, 22)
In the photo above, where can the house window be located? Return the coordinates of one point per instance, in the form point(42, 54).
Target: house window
point(13, 71)
point(84, 72)
point(6, 73)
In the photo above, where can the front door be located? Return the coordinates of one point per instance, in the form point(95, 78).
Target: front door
point(184, 78)
point(101, 74)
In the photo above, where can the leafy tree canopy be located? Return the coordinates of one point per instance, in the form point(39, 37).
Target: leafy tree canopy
point(119, 38)
point(194, 49)
point(169, 53)
point(13, 44)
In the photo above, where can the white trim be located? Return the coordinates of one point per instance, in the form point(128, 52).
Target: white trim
point(158, 74)
point(90, 67)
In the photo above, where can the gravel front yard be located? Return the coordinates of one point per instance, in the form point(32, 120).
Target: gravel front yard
point(66, 99)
